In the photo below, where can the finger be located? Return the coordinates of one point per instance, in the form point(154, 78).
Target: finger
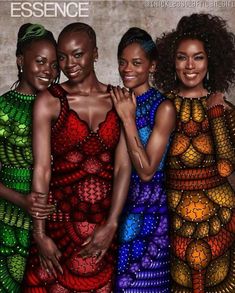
point(120, 92)
point(133, 97)
point(42, 262)
point(51, 267)
point(116, 93)
point(114, 99)
point(87, 241)
point(56, 264)
point(101, 255)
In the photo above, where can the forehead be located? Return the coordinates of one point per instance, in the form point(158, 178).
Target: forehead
point(134, 50)
point(78, 38)
point(40, 46)
point(191, 45)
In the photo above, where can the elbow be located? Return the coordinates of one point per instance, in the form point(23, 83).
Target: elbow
point(146, 177)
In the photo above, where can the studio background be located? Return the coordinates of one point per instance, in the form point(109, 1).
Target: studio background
point(110, 19)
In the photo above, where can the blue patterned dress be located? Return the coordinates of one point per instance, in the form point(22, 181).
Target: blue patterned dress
point(143, 256)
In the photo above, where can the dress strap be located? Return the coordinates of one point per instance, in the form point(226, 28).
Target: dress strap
point(57, 91)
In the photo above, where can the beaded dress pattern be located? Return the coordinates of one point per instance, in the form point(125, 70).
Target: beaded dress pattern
point(201, 199)
point(143, 258)
point(81, 189)
point(15, 173)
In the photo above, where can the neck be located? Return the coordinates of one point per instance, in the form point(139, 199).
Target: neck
point(192, 92)
point(87, 86)
point(141, 90)
point(26, 90)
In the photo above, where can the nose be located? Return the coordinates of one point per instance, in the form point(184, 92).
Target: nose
point(190, 63)
point(127, 67)
point(69, 62)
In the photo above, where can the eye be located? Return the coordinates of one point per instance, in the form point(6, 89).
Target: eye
point(60, 57)
point(55, 66)
point(121, 62)
point(199, 57)
point(180, 57)
point(40, 61)
point(78, 55)
point(137, 63)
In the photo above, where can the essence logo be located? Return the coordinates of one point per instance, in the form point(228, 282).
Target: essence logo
point(49, 9)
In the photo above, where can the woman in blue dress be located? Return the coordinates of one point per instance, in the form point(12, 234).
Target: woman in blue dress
point(148, 120)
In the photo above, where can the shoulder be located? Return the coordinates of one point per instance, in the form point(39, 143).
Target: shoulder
point(167, 107)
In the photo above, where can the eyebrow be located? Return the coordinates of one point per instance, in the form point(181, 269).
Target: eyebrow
point(197, 53)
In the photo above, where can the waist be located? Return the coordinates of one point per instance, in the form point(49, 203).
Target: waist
point(194, 179)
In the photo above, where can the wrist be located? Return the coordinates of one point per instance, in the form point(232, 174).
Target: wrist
point(130, 121)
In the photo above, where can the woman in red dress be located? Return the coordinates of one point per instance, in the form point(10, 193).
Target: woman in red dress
point(77, 126)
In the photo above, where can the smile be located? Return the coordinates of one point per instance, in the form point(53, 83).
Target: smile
point(190, 75)
point(128, 77)
point(44, 78)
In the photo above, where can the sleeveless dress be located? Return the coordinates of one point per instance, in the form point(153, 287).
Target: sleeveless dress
point(201, 200)
point(81, 189)
point(15, 173)
point(143, 255)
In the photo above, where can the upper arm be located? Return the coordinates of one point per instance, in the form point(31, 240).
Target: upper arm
point(41, 131)
point(164, 124)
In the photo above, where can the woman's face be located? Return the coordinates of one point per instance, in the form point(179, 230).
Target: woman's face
point(76, 55)
point(191, 64)
point(39, 65)
point(134, 68)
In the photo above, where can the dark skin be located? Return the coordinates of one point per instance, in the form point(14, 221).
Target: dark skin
point(191, 65)
point(89, 99)
point(134, 68)
point(39, 65)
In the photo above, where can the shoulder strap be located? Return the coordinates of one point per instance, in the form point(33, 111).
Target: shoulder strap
point(57, 91)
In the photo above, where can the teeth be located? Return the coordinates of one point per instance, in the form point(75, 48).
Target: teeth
point(129, 77)
point(191, 75)
point(44, 79)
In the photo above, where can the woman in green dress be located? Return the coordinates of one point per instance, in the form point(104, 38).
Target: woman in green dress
point(37, 68)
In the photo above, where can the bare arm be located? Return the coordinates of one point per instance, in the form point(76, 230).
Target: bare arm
point(100, 241)
point(43, 113)
point(145, 160)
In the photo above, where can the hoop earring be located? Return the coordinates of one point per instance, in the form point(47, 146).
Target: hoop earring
point(151, 77)
point(207, 76)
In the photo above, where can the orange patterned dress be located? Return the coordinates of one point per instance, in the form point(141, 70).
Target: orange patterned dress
point(201, 200)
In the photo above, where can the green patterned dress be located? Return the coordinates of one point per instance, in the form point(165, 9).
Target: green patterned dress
point(15, 173)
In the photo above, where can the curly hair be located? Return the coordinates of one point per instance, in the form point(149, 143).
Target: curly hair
point(219, 44)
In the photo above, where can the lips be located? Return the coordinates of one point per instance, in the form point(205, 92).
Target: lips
point(73, 73)
point(43, 78)
point(190, 75)
point(128, 77)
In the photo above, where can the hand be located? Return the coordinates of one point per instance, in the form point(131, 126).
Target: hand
point(49, 254)
point(99, 242)
point(124, 102)
point(33, 204)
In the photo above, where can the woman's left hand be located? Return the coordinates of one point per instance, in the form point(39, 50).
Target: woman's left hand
point(124, 102)
point(99, 242)
point(217, 98)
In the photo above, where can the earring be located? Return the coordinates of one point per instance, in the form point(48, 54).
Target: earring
point(21, 68)
point(120, 80)
point(175, 77)
point(151, 77)
point(207, 76)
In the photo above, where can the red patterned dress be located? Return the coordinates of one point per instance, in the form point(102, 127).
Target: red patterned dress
point(81, 189)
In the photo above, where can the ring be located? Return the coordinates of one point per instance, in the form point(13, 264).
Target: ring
point(36, 214)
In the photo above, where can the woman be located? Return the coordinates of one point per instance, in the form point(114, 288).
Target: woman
point(148, 120)
point(197, 59)
point(37, 66)
point(89, 175)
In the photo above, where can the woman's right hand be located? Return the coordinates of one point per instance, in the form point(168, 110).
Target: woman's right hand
point(49, 254)
point(34, 205)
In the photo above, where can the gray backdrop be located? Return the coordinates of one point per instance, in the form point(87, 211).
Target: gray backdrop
point(110, 19)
